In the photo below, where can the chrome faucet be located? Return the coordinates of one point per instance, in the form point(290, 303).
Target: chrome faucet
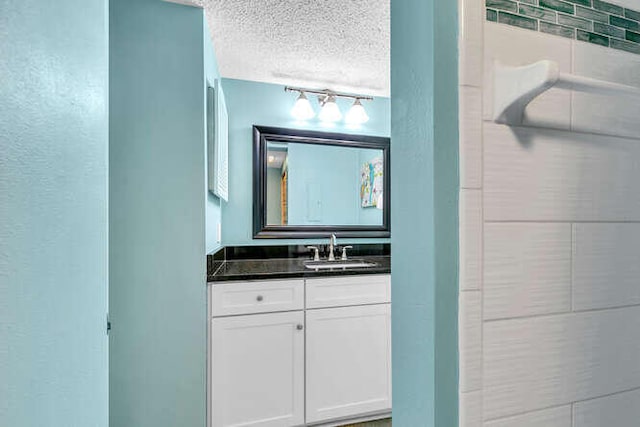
point(344, 252)
point(332, 242)
point(316, 256)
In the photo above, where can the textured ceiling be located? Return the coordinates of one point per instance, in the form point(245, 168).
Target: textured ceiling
point(338, 44)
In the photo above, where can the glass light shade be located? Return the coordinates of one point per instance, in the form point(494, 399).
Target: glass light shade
point(330, 111)
point(356, 115)
point(302, 109)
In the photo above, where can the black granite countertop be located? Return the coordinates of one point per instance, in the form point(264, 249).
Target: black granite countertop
point(290, 267)
point(277, 268)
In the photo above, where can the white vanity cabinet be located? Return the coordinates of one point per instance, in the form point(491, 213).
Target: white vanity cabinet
point(348, 348)
point(258, 370)
point(287, 353)
point(348, 361)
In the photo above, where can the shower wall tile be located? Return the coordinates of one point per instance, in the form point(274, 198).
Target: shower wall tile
point(539, 362)
point(470, 337)
point(470, 137)
point(593, 38)
point(621, 409)
point(607, 7)
point(527, 269)
point(511, 46)
point(470, 414)
point(549, 221)
point(592, 15)
point(606, 270)
point(606, 114)
point(572, 21)
point(593, 21)
point(558, 30)
point(545, 175)
point(555, 417)
point(470, 239)
point(470, 41)
point(508, 5)
point(517, 20)
point(559, 5)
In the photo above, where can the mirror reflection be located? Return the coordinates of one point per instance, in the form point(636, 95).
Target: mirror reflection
point(319, 184)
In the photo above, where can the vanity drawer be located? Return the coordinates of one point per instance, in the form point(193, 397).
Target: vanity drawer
point(339, 291)
point(257, 297)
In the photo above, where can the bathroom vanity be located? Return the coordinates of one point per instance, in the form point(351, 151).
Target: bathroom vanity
point(294, 346)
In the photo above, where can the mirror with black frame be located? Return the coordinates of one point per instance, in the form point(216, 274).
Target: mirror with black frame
point(313, 184)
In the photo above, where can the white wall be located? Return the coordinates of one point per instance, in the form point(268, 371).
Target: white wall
point(549, 240)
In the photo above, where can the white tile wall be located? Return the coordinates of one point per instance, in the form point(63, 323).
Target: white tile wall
point(527, 269)
point(631, 4)
point(540, 362)
point(606, 265)
point(470, 42)
point(470, 330)
point(470, 137)
point(606, 114)
point(618, 410)
point(542, 175)
point(549, 239)
point(470, 239)
point(471, 409)
point(554, 417)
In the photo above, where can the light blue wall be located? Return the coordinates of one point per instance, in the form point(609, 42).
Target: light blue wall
point(53, 213)
point(157, 215)
point(254, 103)
point(324, 185)
point(424, 157)
point(213, 202)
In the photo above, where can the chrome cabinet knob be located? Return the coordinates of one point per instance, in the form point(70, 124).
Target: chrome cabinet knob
point(259, 298)
point(299, 327)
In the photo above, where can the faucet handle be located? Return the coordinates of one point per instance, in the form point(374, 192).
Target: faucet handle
point(344, 252)
point(316, 256)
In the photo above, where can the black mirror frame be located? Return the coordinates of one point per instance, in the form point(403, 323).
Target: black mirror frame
point(261, 230)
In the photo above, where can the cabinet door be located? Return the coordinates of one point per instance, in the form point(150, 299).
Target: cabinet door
point(257, 375)
point(348, 361)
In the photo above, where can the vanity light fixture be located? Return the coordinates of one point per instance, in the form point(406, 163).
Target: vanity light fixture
point(302, 109)
point(356, 114)
point(329, 110)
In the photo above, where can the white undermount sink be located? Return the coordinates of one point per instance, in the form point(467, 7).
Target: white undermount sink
point(338, 264)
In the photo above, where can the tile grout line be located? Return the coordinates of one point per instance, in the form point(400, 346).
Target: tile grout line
point(571, 255)
point(482, 253)
point(527, 412)
point(572, 409)
point(482, 237)
point(563, 313)
point(561, 405)
point(557, 221)
point(573, 70)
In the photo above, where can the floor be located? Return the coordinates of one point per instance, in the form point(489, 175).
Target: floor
point(377, 423)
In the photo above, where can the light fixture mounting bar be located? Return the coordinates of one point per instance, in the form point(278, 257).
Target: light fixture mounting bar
point(327, 92)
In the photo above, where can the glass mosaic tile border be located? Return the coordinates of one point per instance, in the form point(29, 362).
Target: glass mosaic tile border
point(592, 21)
